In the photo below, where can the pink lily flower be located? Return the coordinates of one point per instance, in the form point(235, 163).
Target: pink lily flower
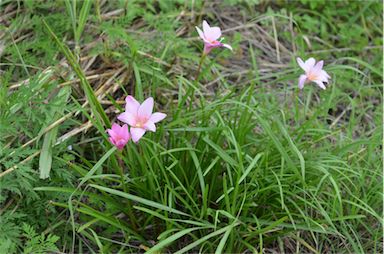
point(313, 73)
point(140, 117)
point(119, 135)
point(210, 36)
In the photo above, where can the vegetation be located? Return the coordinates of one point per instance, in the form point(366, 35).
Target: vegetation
point(244, 161)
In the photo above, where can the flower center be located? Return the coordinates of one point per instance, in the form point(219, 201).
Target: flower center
point(312, 76)
point(141, 122)
point(214, 42)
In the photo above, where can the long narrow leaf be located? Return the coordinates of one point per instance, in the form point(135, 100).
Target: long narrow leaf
point(97, 109)
point(203, 239)
point(138, 199)
point(83, 18)
point(45, 161)
point(171, 239)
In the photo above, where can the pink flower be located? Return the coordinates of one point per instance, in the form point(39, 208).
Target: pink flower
point(210, 36)
point(140, 117)
point(313, 73)
point(119, 135)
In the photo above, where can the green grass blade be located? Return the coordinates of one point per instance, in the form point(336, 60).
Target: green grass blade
point(138, 199)
point(98, 111)
point(204, 238)
point(221, 152)
point(223, 240)
point(72, 14)
point(97, 165)
point(84, 12)
point(45, 160)
point(250, 167)
point(158, 247)
point(139, 87)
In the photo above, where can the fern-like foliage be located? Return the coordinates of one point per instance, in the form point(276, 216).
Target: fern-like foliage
point(38, 243)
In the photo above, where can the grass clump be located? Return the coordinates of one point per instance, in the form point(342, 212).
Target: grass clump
point(244, 161)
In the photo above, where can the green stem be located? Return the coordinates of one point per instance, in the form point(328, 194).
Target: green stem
point(125, 188)
point(199, 68)
point(295, 99)
point(196, 79)
point(121, 172)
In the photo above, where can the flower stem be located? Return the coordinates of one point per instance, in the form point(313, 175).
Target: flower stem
point(125, 188)
point(199, 68)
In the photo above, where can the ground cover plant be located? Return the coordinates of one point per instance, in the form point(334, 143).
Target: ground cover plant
point(137, 126)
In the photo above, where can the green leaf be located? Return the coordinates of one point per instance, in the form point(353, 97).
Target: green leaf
point(171, 239)
point(83, 18)
point(138, 199)
point(97, 165)
point(96, 108)
point(250, 167)
point(139, 87)
point(45, 161)
point(205, 238)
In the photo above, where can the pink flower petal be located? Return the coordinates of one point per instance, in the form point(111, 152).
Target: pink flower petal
point(137, 133)
point(201, 34)
point(320, 84)
point(112, 141)
point(115, 127)
point(207, 48)
point(302, 80)
point(132, 105)
point(120, 144)
point(110, 132)
point(157, 117)
point(128, 118)
point(227, 46)
point(214, 34)
point(310, 63)
point(206, 27)
point(325, 74)
point(321, 77)
point(119, 135)
point(124, 133)
point(150, 126)
point(301, 64)
point(145, 109)
point(318, 66)
point(113, 132)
